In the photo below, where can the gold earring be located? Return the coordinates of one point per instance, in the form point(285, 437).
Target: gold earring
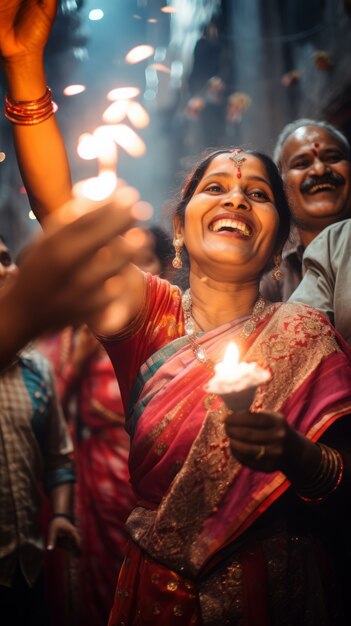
point(277, 274)
point(177, 261)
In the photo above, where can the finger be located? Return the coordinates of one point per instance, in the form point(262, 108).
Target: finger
point(79, 207)
point(74, 244)
point(50, 7)
point(256, 436)
point(106, 263)
point(260, 419)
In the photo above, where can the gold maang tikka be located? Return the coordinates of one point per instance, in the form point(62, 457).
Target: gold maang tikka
point(237, 160)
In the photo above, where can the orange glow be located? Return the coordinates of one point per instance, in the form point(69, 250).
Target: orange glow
point(142, 211)
point(168, 9)
point(123, 93)
point(86, 147)
point(159, 67)
point(106, 148)
point(115, 112)
point(139, 53)
point(72, 90)
point(137, 115)
point(152, 20)
point(96, 188)
point(136, 237)
point(128, 139)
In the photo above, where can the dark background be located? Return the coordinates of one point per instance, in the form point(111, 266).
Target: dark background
point(248, 44)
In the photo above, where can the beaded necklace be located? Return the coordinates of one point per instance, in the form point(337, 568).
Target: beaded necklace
point(190, 330)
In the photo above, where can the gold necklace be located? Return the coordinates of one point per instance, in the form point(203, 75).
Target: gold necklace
point(190, 329)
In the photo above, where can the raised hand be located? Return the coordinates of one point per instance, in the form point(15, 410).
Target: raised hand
point(25, 26)
point(66, 275)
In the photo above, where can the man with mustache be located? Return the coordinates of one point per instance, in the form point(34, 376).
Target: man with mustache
point(314, 160)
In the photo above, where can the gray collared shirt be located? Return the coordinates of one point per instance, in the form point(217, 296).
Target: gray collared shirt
point(291, 266)
point(326, 283)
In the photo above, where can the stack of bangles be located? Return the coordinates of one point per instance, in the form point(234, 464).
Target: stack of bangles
point(326, 478)
point(29, 112)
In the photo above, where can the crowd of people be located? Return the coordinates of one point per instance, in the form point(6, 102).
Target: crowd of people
point(177, 505)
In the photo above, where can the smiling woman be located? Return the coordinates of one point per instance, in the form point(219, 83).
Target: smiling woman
point(229, 497)
point(234, 215)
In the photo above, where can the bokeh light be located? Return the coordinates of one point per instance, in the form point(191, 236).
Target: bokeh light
point(139, 53)
point(123, 93)
point(96, 14)
point(73, 90)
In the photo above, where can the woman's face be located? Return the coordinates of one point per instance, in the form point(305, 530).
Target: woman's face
point(231, 221)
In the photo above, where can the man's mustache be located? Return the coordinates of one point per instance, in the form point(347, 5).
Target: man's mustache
point(327, 179)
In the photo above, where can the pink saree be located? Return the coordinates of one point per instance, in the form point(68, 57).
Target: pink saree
point(195, 555)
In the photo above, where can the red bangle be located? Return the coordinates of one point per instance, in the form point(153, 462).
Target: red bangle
point(29, 112)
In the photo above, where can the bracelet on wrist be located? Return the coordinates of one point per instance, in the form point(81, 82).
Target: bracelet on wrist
point(326, 478)
point(70, 518)
point(30, 112)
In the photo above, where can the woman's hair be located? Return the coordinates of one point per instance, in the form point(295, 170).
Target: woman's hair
point(163, 248)
point(275, 181)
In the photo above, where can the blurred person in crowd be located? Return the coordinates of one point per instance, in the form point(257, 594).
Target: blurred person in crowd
point(93, 408)
point(35, 447)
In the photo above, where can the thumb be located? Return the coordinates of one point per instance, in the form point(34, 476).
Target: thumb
point(52, 536)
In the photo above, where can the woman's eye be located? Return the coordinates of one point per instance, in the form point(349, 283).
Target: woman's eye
point(213, 188)
point(258, 194)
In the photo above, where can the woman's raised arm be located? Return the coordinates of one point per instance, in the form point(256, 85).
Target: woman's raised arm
point(25, 26)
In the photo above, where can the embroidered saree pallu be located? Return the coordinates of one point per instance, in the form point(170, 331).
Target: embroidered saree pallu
point(194, 548)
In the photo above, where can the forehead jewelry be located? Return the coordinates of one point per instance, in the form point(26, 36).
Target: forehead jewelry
point(237, 160)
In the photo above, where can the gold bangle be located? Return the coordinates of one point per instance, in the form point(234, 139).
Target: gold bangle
point(327, 478)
